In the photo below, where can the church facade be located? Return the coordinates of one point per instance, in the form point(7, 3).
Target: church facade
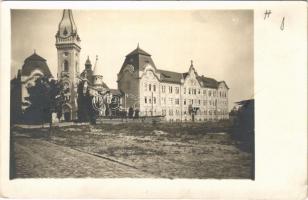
point(68, 51)
point(177, 96)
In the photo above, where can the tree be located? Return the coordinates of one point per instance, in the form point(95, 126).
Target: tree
point(82, 102)
point(85, 112)
point(43, 98)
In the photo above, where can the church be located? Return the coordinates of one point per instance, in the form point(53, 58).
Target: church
point(142, 86)
point(68, 72)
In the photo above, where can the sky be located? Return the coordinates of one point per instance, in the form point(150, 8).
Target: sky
point(220, 42)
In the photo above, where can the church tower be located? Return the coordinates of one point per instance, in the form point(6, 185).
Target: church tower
point(68, 50)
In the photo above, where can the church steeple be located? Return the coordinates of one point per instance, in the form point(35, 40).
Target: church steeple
point(67, 26)
point(68, 50)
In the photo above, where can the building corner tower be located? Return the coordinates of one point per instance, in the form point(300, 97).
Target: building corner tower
point(68, 50)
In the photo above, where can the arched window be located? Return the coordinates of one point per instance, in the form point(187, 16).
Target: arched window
point(65, 65)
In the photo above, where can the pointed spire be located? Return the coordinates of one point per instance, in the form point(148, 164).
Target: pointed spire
point(138, 46)
point(34, 51)
point(95, 71)
point(67, 26)
point(191, 65)
point(88, 64)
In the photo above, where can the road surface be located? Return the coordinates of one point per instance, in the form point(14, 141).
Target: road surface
point(36, 158)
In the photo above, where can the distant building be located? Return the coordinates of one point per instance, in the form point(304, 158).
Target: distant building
point(34, 67)
point(177, 96)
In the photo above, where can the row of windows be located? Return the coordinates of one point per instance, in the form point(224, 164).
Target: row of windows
point(150, 100)
point(185, 101)
point(177, 112)
point(193, 91)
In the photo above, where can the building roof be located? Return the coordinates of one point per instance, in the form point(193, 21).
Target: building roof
point(169, 76)
point(138, 50)
point(208, 82)
point(34, 62)
point(224, 83)
point(138, 58)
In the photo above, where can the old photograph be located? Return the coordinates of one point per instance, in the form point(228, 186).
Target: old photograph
point(112, 93)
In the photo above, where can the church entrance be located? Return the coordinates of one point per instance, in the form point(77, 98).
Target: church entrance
point(67, 116)
point(67, 113)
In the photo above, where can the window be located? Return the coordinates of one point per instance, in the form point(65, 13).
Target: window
point(145, 87)
point(170, 112)
point(204, 102)
point(163, 89)
point(198, 91)
point(184, 101)
point(184, 90)
point(145, 99)
point(209, 93)
point(150, 100)
point(189, 91)
point(204, 92)
point(171, 101)
point(150, 87)
point(65, 66)
point(164, 112)
point(163, 100)
point(199, 102)
point(154, 88)
point(177, 101)
point(154, 100)
point(177, 90)
point(170, 89)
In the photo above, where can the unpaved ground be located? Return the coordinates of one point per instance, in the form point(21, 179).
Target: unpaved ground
point(166, 151)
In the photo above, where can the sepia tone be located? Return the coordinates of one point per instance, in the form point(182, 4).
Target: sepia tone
point(70, 120)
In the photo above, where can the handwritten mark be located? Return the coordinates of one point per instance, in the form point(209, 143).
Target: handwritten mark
point(267, 14)
point(282, 24)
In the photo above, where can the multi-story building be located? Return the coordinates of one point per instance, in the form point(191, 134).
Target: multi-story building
point(177, 96)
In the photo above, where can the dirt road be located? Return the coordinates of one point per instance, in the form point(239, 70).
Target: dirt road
point(37, 158)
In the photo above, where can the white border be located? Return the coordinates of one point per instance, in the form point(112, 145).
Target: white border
point(281, 113)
